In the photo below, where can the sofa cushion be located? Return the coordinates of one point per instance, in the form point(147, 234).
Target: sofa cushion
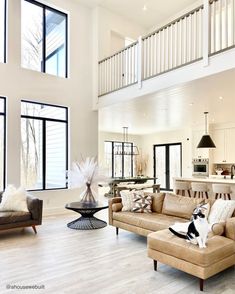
point(218, 248)
point(127, 200)
point(157, 201)
point(221, 210)
point(150, 221)
point(230, 228)
point(7, 217)
point(179, 206)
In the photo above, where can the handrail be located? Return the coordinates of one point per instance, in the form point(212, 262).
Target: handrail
point(119, 51)
point(173, 22)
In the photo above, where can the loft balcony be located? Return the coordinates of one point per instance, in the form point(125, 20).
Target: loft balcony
point(197, 44)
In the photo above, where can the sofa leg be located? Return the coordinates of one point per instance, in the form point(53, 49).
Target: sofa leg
point(34, 228)
point(117, 231)
point(201, 284)
point(155, 265)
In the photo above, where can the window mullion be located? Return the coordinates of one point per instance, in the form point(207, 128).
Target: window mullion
point(44, 40)
point(44, 154)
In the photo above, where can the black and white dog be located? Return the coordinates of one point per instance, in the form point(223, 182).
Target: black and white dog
point(195, 231)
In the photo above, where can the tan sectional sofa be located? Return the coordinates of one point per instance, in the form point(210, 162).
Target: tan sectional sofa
point(166, 248)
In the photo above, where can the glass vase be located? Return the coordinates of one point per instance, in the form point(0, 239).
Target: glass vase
point(87, 195)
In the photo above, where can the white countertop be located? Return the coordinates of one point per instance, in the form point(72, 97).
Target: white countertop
point(210, 179)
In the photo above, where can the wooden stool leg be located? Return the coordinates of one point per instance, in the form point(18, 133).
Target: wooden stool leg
point(229, 197)
point(206, 195)
point(189, 194)
point(216, 195)
point(117, 231)
point(201, 284)
point(155, 265)
point(195, 193)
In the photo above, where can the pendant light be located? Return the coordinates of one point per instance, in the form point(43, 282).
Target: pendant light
point(126, 149)
point(206, 141)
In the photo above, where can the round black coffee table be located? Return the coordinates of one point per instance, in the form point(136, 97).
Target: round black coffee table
point(87, 221)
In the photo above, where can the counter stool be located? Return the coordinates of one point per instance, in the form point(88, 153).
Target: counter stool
point(221, 190)
point(199, 190)
point(182, 187)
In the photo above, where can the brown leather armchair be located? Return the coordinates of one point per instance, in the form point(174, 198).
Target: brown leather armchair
point(21, 219)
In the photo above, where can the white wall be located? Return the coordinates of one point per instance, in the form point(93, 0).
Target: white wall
point(107, 22)
point(75, 92)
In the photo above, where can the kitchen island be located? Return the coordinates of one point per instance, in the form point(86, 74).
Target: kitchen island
point(213, 179)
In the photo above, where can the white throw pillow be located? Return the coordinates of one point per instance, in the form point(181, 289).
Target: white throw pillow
point(127, 200)
point(221, 210)
point(14, 199)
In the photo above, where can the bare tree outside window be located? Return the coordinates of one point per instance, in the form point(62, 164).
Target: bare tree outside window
point(44, 140)
point(44, 39)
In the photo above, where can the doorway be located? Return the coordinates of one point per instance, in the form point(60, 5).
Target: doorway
point(167, 164)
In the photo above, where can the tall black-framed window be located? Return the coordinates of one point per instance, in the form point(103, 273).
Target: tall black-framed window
point(44, 38)
point(44, 146)
point(3, 29)
point(119, 159)
point(2, 143)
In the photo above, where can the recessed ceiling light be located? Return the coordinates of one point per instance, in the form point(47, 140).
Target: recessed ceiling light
point(144, 8)
point(220, 98)
point(191, 104)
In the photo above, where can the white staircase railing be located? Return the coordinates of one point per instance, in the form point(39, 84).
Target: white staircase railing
point(176, 44)
point(118, 70)
point(181, 42)
point(222, 28)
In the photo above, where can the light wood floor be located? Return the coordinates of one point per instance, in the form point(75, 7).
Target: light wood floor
point(70, 261)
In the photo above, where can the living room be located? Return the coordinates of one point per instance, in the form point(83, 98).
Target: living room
point(52, 90)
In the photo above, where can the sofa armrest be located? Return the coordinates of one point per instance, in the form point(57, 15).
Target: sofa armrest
point(35, 208)
point(116, 201)
point(230, 228)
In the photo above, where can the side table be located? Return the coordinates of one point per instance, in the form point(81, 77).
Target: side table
point(87, 221)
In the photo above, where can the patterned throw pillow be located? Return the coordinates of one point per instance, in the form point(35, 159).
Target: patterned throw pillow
point(142, 202)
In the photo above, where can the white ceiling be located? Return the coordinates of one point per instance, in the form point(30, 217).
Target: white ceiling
point(175, 108)
point(157, 10)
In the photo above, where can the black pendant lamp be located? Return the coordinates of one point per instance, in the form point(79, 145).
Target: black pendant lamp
point(206, 141)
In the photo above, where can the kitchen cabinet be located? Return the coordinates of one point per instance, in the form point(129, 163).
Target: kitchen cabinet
point(224, 140)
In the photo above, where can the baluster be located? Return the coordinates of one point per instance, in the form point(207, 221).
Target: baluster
point(220, 25)
point(154, 54)
point(149, 57)
point(106, 75)
point(122, 68)
point(233, 22)
point(200, 33)
point(226, 24)
point(158, 53)
point(144, 58)
point(176, 49)
point(166, 49)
